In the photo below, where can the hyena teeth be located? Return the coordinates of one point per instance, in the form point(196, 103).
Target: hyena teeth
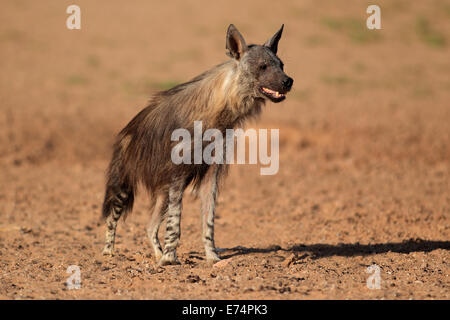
point(273, 92)
point(269, 91)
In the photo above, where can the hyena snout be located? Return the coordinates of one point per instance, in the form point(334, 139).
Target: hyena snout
point(287, 83)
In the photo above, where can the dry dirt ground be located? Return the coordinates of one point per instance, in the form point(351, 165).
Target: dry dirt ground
point(364, 151)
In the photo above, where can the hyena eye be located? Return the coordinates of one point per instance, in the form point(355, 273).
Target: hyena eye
point(263, 66)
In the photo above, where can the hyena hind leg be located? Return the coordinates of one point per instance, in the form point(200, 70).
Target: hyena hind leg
point(173, 231)
point(158, 214)
point(115, 208)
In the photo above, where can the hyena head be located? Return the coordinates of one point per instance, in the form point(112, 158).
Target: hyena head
point(261, 71)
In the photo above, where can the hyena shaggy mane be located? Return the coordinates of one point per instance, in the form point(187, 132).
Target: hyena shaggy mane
point(222, 98)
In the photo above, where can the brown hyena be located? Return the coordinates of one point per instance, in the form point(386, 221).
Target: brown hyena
point(222, 98)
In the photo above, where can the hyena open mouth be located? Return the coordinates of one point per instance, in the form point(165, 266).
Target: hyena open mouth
point(273, 95)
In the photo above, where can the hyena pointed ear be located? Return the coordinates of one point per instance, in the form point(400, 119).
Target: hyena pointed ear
point(272, 43)
point(236, 45)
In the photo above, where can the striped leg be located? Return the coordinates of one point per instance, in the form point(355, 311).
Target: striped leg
point(111, 223)
point(158, 215)
point(172, 236)
point(208, 196)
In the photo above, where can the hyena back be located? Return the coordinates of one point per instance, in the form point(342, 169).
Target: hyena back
point(222, 98)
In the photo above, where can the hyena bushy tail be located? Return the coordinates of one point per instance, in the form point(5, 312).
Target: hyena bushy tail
point(119, 198)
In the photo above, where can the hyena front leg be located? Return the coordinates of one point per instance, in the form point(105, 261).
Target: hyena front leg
point(173, 231)
point(208, 196)
point(158, 215)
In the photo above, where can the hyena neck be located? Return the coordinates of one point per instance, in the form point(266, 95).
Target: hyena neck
point(234, 99)
point(220, 98)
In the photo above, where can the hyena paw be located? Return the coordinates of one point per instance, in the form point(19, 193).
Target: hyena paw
point(168, 259)
point(212, 257)
point(108, 251)
point(158, 255)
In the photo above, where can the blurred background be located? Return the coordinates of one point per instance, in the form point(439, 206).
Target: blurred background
point(65, 93)
point(364, 134)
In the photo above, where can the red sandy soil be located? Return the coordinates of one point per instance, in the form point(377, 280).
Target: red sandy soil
point(364, 151)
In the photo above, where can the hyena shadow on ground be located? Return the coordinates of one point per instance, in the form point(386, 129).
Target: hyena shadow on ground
point(317, 251)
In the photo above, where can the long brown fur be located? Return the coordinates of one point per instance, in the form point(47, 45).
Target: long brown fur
point(143, 148)
point(222, 98)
